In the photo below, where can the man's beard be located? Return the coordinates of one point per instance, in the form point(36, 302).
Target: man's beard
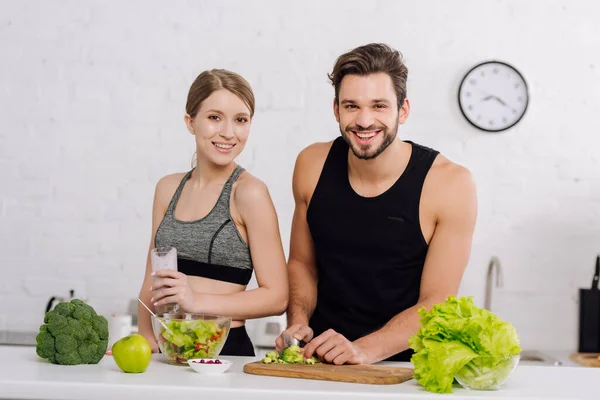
point(363, 152)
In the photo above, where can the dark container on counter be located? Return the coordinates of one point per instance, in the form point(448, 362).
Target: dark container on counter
point(589, 315)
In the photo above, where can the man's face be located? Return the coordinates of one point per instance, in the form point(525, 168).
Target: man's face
point(368, 113)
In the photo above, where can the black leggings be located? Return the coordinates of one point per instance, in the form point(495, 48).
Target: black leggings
point(238, 343)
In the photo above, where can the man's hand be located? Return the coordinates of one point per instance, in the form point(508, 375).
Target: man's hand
point(301, 332)
point(334, 348)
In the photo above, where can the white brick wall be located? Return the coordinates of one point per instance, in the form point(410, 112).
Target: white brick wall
point(92, 97)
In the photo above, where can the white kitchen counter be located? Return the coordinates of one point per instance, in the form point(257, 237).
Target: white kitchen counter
point(23, 375)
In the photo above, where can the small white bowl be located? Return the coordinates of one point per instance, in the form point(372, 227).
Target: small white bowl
point(205, 368)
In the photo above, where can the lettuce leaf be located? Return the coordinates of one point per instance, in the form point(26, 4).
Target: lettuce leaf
point(456, 333)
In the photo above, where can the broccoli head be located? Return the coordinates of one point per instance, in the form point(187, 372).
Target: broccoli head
point(73, 334)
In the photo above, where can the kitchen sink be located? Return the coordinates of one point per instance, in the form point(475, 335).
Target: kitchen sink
point(534, 357)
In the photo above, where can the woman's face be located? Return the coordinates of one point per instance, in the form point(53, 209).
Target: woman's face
point(221, 127)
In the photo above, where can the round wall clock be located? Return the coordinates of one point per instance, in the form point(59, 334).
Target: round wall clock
point(493, 96)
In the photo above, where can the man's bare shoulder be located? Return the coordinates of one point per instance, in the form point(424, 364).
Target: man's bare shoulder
point(314, 154)
point(451, 183)
point(449, 173)
point(309, 165)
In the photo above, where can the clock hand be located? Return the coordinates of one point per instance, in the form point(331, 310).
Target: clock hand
point(504, 103)
point(500, 101)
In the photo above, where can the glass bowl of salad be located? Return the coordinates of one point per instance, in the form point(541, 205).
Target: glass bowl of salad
point(183, 336)
point(486, 373)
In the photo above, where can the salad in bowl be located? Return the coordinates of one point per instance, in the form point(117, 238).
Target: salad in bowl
point(183, 337)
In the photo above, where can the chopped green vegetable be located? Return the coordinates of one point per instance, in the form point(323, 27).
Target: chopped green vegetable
point(292, 355)
point(311, 361)
point(271, 357)
point(458, 335)
point(72, 334)
point(289, 355)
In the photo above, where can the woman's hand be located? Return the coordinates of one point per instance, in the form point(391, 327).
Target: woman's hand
point(172, 287)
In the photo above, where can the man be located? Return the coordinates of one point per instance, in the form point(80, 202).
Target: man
point(381, 226)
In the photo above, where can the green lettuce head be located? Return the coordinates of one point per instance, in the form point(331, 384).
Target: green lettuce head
point(456, 334)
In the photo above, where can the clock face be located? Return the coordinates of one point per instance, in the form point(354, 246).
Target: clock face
point(493, 96)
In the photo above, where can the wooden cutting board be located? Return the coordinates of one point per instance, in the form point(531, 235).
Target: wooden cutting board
point(371, 374)
point(586, 359)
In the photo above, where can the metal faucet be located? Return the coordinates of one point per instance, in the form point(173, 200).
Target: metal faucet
point(494, 262)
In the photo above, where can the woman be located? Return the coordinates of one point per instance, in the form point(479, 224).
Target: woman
point(220, 219)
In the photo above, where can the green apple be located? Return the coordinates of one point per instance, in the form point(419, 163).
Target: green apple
point(132, 353)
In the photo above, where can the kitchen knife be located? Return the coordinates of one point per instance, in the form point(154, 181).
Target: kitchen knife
point(290, 340)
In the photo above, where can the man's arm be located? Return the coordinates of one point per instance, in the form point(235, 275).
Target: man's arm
point(302, 269)
point(447, 258)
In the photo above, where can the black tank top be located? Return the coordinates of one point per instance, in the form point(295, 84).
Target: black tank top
point(369, 251)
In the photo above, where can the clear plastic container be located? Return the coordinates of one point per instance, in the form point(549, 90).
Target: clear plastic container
point(164, 258)
point(486, 373)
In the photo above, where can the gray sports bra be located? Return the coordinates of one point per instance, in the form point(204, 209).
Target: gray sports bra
point(211, 247)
